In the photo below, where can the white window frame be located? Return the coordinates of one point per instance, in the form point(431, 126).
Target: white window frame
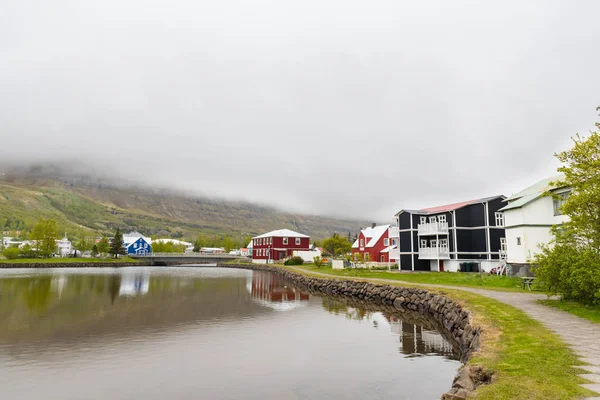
point(518, 240)
point(386, 241)
point(444, 243)
point(433, 243)
point(442, 219)
point(423, 220)
point(557, 201)
point(367, 257)
point(135, 245)
point(423, 244)
point(499, 219)
point(502, 244)
point(285, 240)
point(298, 241)
point(432, 220)
point(394, 242)
point(362, 242)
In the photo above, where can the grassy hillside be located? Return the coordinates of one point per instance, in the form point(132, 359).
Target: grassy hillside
point(84, 207)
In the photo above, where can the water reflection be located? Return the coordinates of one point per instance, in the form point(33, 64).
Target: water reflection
point(205, 333)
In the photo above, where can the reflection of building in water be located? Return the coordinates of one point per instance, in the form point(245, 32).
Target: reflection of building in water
point(134, 284)
point(268, 289)
point(58, 284)
point(417, 340)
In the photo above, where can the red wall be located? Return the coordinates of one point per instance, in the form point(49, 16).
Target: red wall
point(375, 251)
point(277, 243)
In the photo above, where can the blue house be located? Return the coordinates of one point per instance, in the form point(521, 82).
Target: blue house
point(139, 247)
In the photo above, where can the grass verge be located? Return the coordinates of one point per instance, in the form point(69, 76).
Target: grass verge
point(591, 313)
point(59, 260)
point(467, 279)
point(529, 361)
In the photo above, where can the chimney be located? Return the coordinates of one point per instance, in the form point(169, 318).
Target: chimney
point(373, 225)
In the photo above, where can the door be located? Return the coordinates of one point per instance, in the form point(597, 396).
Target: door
point(281, 255)
point(382, 258)
point(441, 265)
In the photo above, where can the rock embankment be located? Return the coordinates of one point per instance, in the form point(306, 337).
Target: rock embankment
point(453, 320)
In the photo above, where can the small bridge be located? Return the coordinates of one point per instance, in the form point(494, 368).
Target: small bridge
point(183, 258)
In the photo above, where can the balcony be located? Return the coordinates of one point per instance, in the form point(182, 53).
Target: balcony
point(433, 228)
point(434, 253)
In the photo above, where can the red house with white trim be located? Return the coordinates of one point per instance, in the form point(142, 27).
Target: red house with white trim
point(278, 245)
point(377, 244)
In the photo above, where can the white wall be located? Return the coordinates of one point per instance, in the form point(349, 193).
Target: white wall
point(484, 265)
point(337, 264)
point(538, 212)
point(307, 255)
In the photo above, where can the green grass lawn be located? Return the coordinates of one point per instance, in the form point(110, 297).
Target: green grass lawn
point(529, 361)
point(58, 260)
point(468, 279)
point(591, 313)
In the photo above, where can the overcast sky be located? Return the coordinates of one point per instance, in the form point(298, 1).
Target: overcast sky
point(336, 107)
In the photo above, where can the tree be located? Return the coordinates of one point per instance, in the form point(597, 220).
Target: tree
point(11, 253)
point(82, 245)
point(116, 247)
point(45, 234)
point(95, 250)
point(337, 246)
point(570, 265)
point(103, 247)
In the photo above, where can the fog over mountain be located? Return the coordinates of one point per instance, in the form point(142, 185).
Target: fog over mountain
point(340, 108)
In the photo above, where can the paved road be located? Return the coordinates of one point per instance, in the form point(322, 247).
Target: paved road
point(580, 334)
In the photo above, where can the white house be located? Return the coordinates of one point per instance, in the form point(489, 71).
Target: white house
point(528, 218)
point(64, 247)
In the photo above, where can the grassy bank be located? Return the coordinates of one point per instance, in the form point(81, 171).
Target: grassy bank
point(59, 260)
point(529, 361)
point(591, 313)
point(467, 279)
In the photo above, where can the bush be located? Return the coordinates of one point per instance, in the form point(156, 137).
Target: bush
point(294, 261)
point(570, 271)
point(318, 261)
point(11, 253)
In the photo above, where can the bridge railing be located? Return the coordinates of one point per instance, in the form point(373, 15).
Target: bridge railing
point(185, 255)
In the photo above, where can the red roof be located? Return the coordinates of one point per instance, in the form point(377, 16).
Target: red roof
point(448, 207)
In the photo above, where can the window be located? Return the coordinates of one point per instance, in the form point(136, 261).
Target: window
point(362, 242)
point(297, 241)
point(394, 242)
point(135, 245)
point(444, 243)
point(558, 202)
point(423, 243)
point(518, 241)
point(432, 220)
point(434, 243)
point(386, 242)
point(499, 219)
point(285, 240)
point(423, 220)
point(145, 245)
point(502, 244)
point(367, 257)
point(442, 219)
point(382, 258)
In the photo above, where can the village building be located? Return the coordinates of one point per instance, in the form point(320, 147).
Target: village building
point(467, 236)
point(528, 218)
point(377, 244)
point(278, 245)
point(137, 244)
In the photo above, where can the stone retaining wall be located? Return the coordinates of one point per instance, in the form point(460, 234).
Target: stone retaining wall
point(452, 320)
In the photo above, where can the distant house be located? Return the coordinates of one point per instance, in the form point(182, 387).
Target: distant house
point(244, 252)
point(64, 247)
point(528, 217)
point(377, 244)
point(278, 245)
point(249, 247)
point(212, 250)
point(441, 238)
point(137, 244)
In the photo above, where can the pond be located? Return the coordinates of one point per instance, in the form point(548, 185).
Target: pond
point(204, 333)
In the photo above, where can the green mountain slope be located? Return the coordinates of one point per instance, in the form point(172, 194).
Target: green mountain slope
point(81, 206)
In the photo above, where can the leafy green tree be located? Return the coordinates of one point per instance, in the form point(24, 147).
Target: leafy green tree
point(116, 247)
point(103, 247)
point(167, 247)
point(45, 234)
point(82, 246)
point(27, 251)
point(95, 250)
point(337, 245)
point(570, 265)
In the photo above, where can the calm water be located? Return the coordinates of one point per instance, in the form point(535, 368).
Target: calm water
point(203, 333)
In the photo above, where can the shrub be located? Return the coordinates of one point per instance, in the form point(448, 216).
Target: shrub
point(294, 261)
point(571, 271)
point(318, 261)
point(11, 253)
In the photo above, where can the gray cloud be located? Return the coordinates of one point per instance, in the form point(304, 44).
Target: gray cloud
point(338, 107)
